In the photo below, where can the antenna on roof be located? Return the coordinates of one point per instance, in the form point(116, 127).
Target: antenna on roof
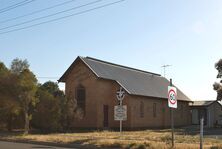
point(164, 69)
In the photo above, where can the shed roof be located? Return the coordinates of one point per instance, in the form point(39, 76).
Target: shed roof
point(201, 103)
point(204, 103)
point(134, 81)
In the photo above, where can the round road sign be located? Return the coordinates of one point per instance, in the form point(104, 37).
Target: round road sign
point(172, 96)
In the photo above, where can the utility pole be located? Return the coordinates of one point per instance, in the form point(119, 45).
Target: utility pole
point(164, 69)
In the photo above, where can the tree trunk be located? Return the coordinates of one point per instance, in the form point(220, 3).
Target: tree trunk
point(26, 122)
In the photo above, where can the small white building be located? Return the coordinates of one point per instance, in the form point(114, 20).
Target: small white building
point(210, 110)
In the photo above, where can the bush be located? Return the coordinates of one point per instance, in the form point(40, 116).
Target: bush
point(47, 113)
point(166, 139)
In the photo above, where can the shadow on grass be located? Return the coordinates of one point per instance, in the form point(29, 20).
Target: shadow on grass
point(11, 133)
point(81, 144)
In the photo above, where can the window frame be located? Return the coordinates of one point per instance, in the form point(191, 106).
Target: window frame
point(81, 103)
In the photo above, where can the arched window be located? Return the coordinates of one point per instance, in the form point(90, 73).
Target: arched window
point(81, 97)
point(141, 109)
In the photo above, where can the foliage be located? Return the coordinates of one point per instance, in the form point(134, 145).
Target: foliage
point(23, 100)
point(218, 86)
point(9, 105)
point(27, 89)
point(17, 92)
point(18, 65)
point(49, 107)
point(72, 112)
point(218, 66)
point(51, 103)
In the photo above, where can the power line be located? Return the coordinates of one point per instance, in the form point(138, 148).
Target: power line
point(39, 18)
point(60, 18)
point(16, 5)
point(13, 5)
point(47, 77)
point(38, 11)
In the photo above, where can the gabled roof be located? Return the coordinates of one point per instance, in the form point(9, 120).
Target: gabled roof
point(204, 103)
point(134, 81)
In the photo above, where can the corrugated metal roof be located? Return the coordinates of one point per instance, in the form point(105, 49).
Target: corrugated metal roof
point(205, 103)
point(201, 103)
point(134, 81)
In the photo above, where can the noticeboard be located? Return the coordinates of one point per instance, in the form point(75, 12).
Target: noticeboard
point(120, 113)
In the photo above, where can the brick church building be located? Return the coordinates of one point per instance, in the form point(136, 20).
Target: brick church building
point(93, 83)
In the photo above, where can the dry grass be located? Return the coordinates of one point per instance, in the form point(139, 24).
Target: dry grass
point(129, 140)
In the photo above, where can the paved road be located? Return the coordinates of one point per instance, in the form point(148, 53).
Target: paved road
point(10, 145)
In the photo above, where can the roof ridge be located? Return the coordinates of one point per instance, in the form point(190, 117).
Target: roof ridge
point(91, 58)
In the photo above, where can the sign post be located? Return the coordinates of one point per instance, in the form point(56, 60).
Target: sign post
point(201, 131)
point(120, 94)
point(172, 103)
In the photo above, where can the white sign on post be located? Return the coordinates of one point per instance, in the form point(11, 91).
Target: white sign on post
point(172, 95)
point(120, 113)
point(120, 110)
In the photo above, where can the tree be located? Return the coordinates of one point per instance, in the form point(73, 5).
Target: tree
point(51, 87)
point(51, 105)
point(18, 65)
point(17, 92)
point(72, 111)
point(27, 90)
point(9, 106)
point(68, 105)
point(48, 106)
point(218, 86)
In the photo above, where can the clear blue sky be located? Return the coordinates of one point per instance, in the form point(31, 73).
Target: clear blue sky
point(144, 34)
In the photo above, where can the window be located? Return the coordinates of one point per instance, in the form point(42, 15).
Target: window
point(141, 109)
point(154, 109)
point(81, 97)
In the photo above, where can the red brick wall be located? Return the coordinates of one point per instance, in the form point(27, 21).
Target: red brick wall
point(101, 92)
point(182, 116)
